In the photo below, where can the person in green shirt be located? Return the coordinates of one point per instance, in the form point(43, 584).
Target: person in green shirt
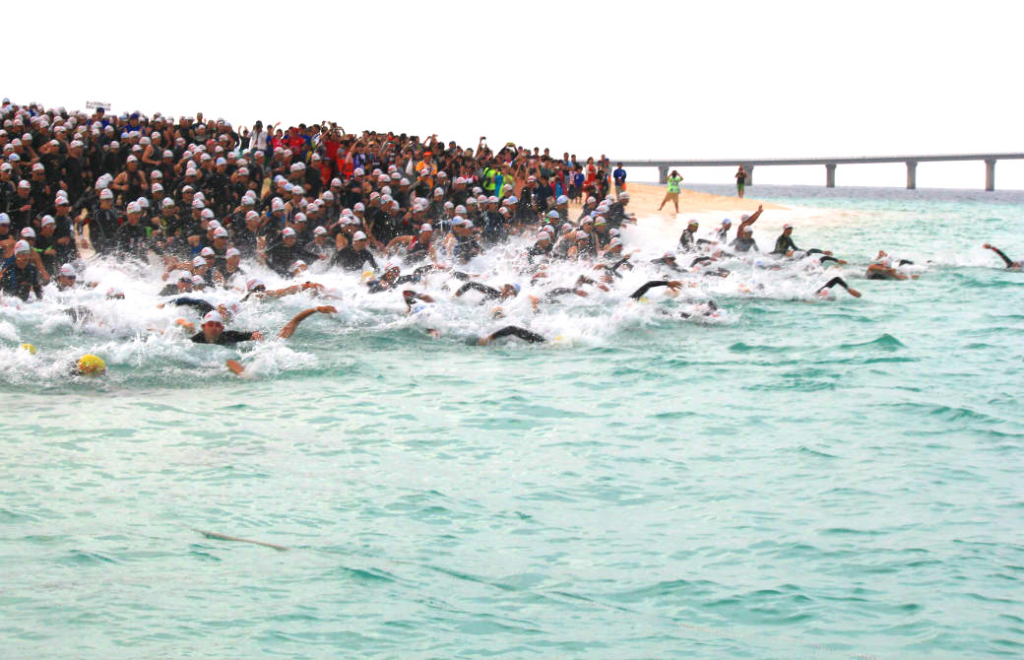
point(673, 190)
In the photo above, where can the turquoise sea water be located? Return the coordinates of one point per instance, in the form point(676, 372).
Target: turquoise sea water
point(798, 479)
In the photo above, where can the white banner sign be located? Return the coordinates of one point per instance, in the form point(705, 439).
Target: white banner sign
point(95, 105)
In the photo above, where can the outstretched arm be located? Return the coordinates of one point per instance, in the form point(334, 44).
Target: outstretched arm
point(1006, 259)
point(512, 331)
point(841, 282)
point(749, 221)
point(639, 293)
point(289, 329)
point(488, 291)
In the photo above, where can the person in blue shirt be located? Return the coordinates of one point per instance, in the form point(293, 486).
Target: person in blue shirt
point(619, 175)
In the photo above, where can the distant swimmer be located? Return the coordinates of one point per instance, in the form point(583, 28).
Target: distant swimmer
point(528, 336)
point(489, 292)
point(883, 269)
point(784, 244)
point(671, 284)
point(687, 240)
point(826, 290)
point(1010, 264)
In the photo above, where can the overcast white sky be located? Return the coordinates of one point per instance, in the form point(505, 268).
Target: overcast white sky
point(631, 79)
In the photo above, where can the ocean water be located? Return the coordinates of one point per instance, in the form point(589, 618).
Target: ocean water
point(791, 478)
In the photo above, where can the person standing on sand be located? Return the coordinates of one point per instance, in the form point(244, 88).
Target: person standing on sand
point(741, 181)
point(673, 190)
point(619, 175)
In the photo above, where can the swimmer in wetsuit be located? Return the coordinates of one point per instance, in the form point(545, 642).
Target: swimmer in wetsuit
point(826, 290)
point(1010, 264)
point(884, 270)
point(639, 293)
point(511, 331)
point(213, 331)
point(490, 293)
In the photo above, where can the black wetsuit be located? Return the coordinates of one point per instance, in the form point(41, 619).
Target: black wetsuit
point(639, 293)
point(20, 281)
point(515, 331)
point(490, 293)
point(351, 259)
point(673, 265)
point(744, 244)
point(226, 338)
point(784, 244)
point(466, 248)
point(1006, 260)
point(199, 305)
point(834, 281)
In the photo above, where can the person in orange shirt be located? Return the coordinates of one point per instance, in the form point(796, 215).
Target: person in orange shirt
point(429, 166)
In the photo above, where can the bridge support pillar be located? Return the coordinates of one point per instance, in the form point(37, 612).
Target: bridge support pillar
point(830, 175)
point(750, 174)
point(990, 175)
point(663, 174)
point(911, 176)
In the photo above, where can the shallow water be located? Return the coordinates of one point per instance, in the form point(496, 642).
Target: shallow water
point(795, 479)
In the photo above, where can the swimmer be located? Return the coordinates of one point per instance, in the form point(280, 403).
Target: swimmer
point(1010, 264)
point(826, 290)
point(784, 244)
point(671, 284)
point(19, 276)
point(687, 240)
point(511, 331)
point(213, 331)
point(490, 293)
point(883, 270)
point(668, 260)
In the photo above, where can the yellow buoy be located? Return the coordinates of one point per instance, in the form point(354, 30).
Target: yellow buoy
point(28, 347)
point(91, 365)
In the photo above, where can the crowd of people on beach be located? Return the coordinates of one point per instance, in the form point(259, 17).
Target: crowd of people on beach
point(208, 212)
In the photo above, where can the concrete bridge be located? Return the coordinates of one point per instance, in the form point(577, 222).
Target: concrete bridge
point(830, 165)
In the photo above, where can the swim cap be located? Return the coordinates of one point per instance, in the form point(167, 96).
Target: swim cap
point(213, 317)
point(358, 236)
point(198, 262)
point(207, 252)
point(727, 222)
point(91, 365)
point(232, 252)
point(197, 281)
point(288, 232)
point(28, 347)
point(425, 227)
point(28, 232)
point(21, 246)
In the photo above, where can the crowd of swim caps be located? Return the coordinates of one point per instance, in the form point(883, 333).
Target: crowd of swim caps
point(208, 214)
